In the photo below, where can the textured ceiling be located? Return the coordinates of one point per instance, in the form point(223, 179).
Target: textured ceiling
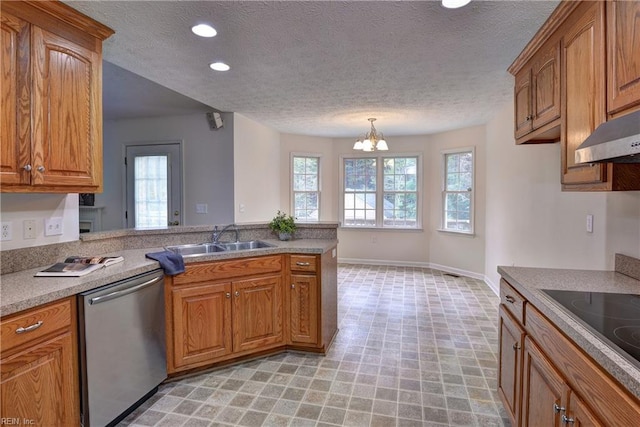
point(322, 68)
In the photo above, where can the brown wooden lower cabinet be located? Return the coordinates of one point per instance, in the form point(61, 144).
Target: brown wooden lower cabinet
point(541, 389)
point(258, 313)
point(510, 367)
point(39, 366)
point(560, 384)
point(303, 309)
point(223, 310)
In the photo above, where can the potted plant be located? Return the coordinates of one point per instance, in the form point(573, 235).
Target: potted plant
point(283, 225)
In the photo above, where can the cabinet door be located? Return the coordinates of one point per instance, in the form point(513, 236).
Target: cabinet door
point(303, 309)
point(542, 389)
point(15, 142)
point(522, 99)
point(584, 92)
point(578, 413)
point(38, 384)
point(201, 323)
point(510, 367)
point(257, 313)
point(67, 113)
point(545, 77)
point(623, 54)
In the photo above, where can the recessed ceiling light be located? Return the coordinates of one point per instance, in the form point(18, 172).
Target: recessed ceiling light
point(219, 66)
point(454, 4)
point(204, 30)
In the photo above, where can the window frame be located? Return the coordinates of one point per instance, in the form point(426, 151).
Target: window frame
point(379, 156)
point(292, 192)
point(444, 191)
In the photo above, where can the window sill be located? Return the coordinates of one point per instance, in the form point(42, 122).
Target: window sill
point(382, 229)
point(462, 233)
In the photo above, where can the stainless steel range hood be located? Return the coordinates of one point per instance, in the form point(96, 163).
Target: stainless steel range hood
point(616, 141)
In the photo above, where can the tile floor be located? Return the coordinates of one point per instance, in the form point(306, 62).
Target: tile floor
point(416, 347)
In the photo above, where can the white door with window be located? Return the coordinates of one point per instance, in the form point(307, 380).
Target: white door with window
point(153, 185)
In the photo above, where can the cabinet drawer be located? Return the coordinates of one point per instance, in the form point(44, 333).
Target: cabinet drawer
point(22, 328)
point(228, 269)
point(512, 300)
point(303, 263)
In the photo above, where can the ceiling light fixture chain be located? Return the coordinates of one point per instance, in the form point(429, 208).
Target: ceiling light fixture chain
point(372, 141)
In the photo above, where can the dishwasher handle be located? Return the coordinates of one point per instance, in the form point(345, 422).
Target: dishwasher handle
point(123, 292)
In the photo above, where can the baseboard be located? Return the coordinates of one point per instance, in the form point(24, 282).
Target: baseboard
point(383, 262)
point(492, 286)
point(433, 266)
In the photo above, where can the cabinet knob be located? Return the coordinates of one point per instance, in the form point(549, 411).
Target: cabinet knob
point(557, 408)
point(237, 294)
point(27, 168)
point(567, 420)
point(516, 346)
point(228, 294)
point(293, 286)
point(40, 168)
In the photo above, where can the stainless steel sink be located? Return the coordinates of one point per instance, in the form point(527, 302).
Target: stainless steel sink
point(195, 249)
point(208, 248)
point(243, 246)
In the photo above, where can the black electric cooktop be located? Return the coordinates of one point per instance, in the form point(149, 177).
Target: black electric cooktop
point(615, 317)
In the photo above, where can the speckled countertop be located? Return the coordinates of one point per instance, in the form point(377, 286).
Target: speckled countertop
point(21, 290)
point(530, 281)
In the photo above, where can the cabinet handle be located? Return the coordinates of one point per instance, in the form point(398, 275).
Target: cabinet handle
point(303, 264)
point(516, 346)
point(33, 327)
point(293, 286)
point(27, 168)
point(228, 294)
point(40, 168)
point(510, 299)
point(557, 409)
point(567, 420)
point(237, 294)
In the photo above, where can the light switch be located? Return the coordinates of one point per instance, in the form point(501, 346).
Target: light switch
point(202, 208)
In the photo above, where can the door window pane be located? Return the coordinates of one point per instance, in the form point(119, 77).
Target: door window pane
point(150, 191)
point(306, 189)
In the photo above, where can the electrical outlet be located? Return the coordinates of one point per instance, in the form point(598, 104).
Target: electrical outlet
point(53, 226)
point(202, 208)
point(6, 232)
point(29, 229)
point(589, 223)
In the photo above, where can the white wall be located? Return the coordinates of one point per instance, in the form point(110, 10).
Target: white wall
point(310, 145)
point(16, 208)
point(256, 168)
point(207, 165)
point(531, 222)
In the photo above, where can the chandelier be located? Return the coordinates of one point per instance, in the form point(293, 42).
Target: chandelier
point(372, 141)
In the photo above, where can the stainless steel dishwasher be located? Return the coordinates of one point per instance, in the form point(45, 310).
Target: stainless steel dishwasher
point(122, 347)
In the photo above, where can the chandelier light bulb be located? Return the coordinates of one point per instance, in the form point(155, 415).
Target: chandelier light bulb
point(382, 145)
point(358, 145)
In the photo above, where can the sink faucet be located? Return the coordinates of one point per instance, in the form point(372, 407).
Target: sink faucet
point(217, 233)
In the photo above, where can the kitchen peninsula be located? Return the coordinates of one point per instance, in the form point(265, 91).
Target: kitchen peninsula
point(275, 298)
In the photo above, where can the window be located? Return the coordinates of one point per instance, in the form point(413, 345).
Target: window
point(457, 192)
point(306, 188)
point(393, 204)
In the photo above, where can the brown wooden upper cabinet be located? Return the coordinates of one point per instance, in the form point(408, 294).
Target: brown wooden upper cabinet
point(580, 69)
point(537, 97)
point(623, 56)
point(51, 99)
